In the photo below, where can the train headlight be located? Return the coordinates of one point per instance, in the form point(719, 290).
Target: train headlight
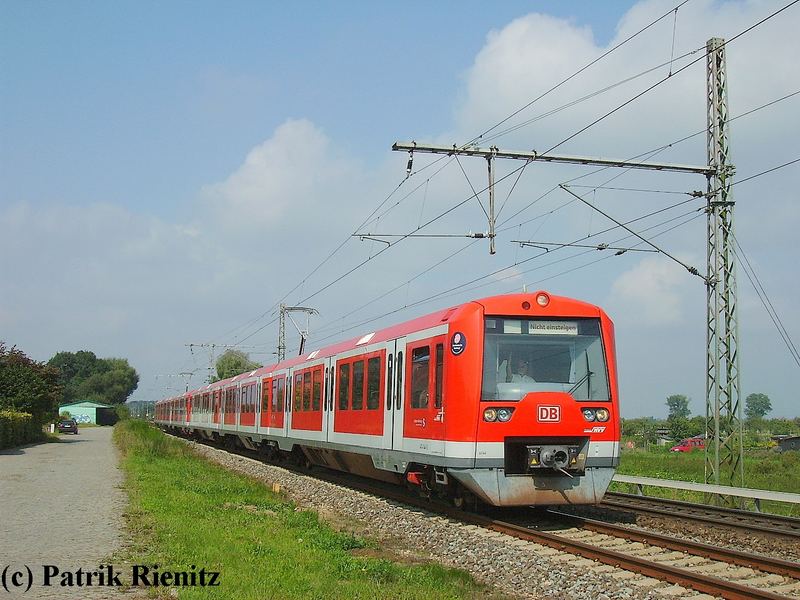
point(542, 299)
point(490, 415)
point(602, 414)
point(589, 414)
point(504, 414)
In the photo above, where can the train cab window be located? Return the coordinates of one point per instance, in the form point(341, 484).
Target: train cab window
point(420, 367)
point(316, 390)
point(307, 390)
point(358, 385)
point(298, 391)
point(344, 385)
point(373, 383)
point(544, 355)
point(437, 399)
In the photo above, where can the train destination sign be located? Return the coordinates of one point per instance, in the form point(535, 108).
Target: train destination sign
point(553, 327)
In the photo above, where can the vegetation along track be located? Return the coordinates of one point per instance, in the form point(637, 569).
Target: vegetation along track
point(775, 525)
point(701, 567)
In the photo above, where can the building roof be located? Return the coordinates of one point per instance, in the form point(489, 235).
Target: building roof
point(85, 404)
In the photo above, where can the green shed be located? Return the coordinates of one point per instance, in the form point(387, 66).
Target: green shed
point(90, 412)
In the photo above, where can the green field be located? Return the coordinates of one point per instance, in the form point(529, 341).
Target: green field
point(186, 511)
point(763, 469)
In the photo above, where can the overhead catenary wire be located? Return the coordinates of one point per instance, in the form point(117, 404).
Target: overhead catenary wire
point(689, 268)
point(761, 292)
point(464, 287)
point(497, 272)
point(661, 81)
point(575, 74)
point(359, 265)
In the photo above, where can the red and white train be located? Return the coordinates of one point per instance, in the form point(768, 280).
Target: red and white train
point(440, 402)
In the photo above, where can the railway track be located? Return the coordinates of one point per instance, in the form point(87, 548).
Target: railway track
point(701, 567)
point(739, 519)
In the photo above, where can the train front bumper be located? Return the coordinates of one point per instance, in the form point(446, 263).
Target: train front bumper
point(494, 487)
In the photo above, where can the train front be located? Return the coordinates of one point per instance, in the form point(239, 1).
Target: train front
point(548, 416)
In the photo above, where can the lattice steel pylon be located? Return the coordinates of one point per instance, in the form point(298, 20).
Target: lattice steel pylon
point(724, 462)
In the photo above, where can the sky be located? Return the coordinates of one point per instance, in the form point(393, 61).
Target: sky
point(171, 172)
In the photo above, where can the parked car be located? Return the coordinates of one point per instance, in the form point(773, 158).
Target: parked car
point(68, 426)
point(689, 444)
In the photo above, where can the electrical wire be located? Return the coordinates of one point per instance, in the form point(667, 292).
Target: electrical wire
point(575, 74)
point(639, 95)
point(750, 272)
point(661, 81)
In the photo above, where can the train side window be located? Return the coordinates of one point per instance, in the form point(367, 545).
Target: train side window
point(273, 395)
point(344, 385)
point(316, 390)
point(437, 402)
point(283, 392)
point(373, 383)
point(420, 370)
point(358, 385)
point(307, 390)
point(298, 391)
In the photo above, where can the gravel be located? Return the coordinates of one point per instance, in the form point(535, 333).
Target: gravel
point(515, 567)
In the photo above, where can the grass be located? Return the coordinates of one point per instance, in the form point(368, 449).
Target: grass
point(763, 469)
point(186, 511)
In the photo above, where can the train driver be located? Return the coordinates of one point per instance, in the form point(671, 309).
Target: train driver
point(521, 372)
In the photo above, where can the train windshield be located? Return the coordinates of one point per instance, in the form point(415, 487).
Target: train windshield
point(543, 355)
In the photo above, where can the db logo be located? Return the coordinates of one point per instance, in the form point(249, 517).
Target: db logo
point(551, 414)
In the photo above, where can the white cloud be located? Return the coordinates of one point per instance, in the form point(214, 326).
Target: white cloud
point(294, 170)
point(653, 293)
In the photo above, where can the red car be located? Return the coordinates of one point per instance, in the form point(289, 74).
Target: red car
point(688, 445)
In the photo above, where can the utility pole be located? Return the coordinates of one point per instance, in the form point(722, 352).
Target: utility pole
point(284, 312)
point(724, 453)
point(724, 462)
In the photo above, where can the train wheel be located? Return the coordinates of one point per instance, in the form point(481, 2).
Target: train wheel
point(464, 500)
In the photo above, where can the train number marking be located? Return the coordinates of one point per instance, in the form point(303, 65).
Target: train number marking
point(595, 429)
point(549, 414)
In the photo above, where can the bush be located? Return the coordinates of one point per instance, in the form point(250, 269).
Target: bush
point(18, 428)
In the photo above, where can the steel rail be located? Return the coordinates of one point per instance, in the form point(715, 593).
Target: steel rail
point(771, 524)
point(743, 559)
point(696, 581)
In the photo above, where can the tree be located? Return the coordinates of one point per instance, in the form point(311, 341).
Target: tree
point(678, 406)
point(86, 377)
point(234, 362)
point(757, 406)
point(28, 386)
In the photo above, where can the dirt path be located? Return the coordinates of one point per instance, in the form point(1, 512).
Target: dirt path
point(60, 504)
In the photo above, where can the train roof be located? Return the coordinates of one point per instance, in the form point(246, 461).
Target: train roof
point(497, 305)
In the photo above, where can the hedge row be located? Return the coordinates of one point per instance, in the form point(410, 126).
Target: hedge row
point(17, 428)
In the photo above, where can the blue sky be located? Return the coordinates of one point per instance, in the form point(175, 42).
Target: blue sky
point(129, 91)
point(169, 171)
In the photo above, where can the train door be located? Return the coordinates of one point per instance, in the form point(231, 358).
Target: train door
point(397, 386)
point(328, 412)
point(423, 415)
point(217, 400)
